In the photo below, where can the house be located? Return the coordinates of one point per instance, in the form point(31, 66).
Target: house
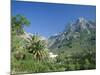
point(51, 55)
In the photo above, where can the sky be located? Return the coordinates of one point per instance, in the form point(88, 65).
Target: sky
point(50, 18)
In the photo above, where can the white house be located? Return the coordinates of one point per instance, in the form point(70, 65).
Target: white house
point(51, 55)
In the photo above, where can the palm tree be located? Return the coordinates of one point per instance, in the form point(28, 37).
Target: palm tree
point(38, 48)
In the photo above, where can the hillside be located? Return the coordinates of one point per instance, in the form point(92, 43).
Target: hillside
point(80, 34)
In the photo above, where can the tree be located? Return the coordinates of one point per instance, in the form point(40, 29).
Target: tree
point(17, 24)
point(18, 43)
point(38, 48)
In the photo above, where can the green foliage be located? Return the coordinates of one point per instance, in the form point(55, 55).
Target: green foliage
point(17, 24)
point(38, 48)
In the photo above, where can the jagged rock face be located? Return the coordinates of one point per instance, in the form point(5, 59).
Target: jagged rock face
point(80, 25)
point(72, 31)
point(28, 37)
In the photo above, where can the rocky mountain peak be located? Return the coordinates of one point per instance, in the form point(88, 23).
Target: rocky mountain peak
point(72, 31)
point(81, 19)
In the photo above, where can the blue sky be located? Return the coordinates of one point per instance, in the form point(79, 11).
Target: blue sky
point(50, 18)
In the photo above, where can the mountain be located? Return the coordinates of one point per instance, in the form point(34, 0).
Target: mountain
point(75, 37)
point(80, 31)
